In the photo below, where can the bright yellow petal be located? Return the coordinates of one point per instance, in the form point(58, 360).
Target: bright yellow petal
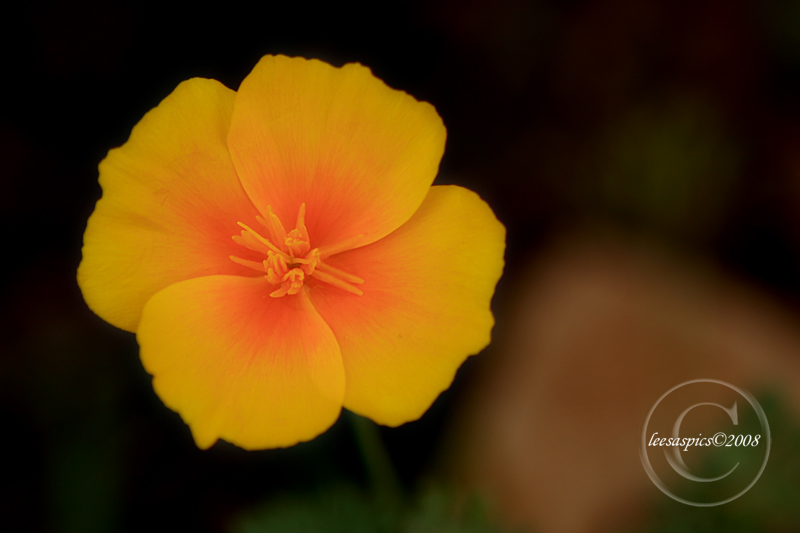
point(360, 155)
point(425, 306)
point(259, 372)
point(171, 201)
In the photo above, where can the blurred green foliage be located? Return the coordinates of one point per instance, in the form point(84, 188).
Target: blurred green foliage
point(770, 506)
point(346, 509)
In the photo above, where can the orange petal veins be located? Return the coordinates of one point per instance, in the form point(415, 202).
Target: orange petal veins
point(257, 371)
point(171, 200)
point(360, 155)
point(425, 305)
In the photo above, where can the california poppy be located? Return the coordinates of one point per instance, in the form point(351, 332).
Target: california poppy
point(280, 253)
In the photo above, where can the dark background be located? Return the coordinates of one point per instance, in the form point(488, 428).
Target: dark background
point(678, 120)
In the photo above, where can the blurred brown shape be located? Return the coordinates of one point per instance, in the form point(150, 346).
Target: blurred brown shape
point(602, 327)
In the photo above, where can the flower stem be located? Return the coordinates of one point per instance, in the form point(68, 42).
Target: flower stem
point(386, 485)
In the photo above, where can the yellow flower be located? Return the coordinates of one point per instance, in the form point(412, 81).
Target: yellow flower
point(371, 300)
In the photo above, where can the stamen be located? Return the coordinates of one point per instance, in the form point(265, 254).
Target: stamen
point(273, 224)
point(341, 273)
point(296, 244)
point(301, 222)
point(283, 291)
point(327, 278)
point(276, 268)
point(292, 283)
point(297, 239)
point(250, 242)
point(255, 265)
point(248, 236)
point(290, 259)
point(273, 277)
point(310, 262)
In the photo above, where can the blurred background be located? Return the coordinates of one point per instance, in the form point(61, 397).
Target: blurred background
point(643, 154)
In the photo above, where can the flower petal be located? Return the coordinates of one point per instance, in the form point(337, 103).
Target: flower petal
point(360, 155)
point(425, 306)
point(171, 201)
point(259, 372)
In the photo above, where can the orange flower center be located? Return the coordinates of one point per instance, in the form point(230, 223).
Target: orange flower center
point(290, 258)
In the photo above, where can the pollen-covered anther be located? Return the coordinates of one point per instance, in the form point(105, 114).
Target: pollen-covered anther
point(290, 258)
point(276, 268)
point(291, 284)
point(296, 245)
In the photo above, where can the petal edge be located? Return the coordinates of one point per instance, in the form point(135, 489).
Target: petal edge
point(256, 371)
point(171, 200)
point(425, 307)
point(359, 154)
